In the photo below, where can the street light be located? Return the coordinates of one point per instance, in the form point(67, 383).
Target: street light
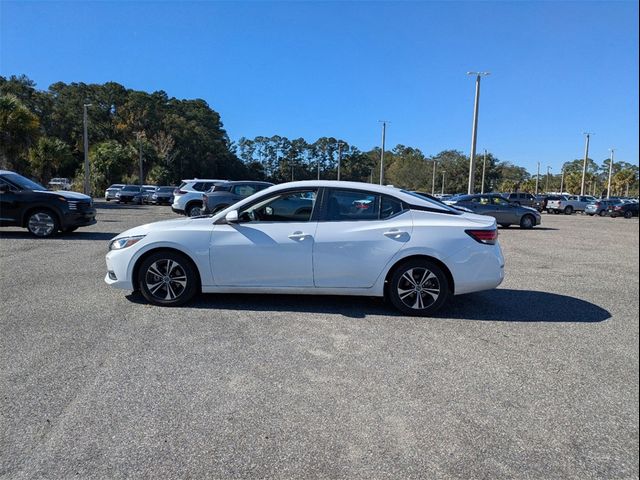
point(443, 174)
point(384, 131)
point(537, 177)
point(546, 186)
point(584, 163)
point(474, 131)
point(610, 172)
point(433, 178)
point(85, 121)
point(484, 166)
point(340, 144)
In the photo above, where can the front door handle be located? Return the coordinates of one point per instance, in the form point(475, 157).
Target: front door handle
point(394, 233)
point(298, 236)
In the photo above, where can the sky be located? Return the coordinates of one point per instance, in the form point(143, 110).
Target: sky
point(312, 69)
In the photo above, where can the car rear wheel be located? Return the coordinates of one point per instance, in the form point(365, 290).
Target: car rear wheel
point(194, 209)
point(418, 287)
point(568, 210)
point(628, 214)
point(527, 222)
point(42, 223)
point(603, 213)
point(168, 279)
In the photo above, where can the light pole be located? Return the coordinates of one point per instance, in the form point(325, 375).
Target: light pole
point(546, 185)
point(433, 178)
point(474, 132)
point(537, 177)
point(562, 181)
point(584, 163)
point(610, 172)
point(384, 132)
point(443, 173)
point(340, 144)
point(85, 121)
point(484, 166)
point(140, 157)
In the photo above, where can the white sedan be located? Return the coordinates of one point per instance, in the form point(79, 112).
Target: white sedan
point(315, 237)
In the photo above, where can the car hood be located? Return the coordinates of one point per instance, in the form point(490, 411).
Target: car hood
point(67, 194)
point(163, 226)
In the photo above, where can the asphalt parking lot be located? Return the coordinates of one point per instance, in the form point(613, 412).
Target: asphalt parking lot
point(537, 379)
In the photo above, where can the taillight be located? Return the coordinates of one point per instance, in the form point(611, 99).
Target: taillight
point(180, 192)
point(488, 237)
point(617, 208)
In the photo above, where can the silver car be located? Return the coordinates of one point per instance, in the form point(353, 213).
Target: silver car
point(110, 193)
point(505, 212)
point(599, 207)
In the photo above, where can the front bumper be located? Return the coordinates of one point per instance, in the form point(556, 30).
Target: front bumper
point(79, 219)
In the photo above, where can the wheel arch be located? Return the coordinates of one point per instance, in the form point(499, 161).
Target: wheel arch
point(437, 261)
point(136, 267)
point(48, 208)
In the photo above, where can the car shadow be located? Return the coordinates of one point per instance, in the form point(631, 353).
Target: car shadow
point(500, 305)
point(77, 235)
point(117, 206)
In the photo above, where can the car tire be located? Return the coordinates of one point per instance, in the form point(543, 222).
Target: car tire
point(628, 214)
point(603, 213)
point(527, 222)
point(168, 279)
point(193, 209)
point(107, 199)
point(42, 223)
point(418, 287)
point(505, 225)
point(568, 210)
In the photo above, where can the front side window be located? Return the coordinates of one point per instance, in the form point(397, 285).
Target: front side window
point(499, 201)
point(284, 207)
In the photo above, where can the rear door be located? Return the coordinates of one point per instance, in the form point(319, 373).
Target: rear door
point(358, 233)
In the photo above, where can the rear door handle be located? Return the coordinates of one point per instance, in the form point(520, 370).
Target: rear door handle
point(394, 233)
point(298, 236)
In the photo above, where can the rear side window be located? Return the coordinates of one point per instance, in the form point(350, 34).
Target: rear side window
point(389, 207)
point(244, 190)
point(345, 205)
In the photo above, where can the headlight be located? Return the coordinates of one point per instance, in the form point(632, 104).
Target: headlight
point(124, 242)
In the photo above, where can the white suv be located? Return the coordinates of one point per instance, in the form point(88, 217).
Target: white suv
point(187, 198)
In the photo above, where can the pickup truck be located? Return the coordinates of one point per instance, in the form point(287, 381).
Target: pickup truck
point(569, 204)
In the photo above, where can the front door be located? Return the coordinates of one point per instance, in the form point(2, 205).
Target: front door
point(270, 246)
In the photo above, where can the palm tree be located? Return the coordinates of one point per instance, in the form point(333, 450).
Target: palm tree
point(18, 129)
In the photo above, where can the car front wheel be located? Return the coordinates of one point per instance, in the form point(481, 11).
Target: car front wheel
point(527, 222)
point(418, 287)
point(168, 279)
point(42, 223)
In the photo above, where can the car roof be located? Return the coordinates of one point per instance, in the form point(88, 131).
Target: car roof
point(369, 187)
point(203, 180)
point(237, 182)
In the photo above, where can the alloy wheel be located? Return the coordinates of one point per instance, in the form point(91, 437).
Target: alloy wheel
point(166, 279)
point(418, 288)
point(41, 224)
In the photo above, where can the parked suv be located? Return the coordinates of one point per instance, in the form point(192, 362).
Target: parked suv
point(187, 198)
point(25, 203)
point(599, 207)
point(521, 198)
point(222, 195)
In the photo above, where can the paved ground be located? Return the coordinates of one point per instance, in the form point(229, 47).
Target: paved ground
point(538, 379)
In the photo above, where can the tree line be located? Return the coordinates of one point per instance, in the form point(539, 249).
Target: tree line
point(42, 137)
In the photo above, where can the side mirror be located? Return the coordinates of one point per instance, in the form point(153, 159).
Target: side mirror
point(232, 216)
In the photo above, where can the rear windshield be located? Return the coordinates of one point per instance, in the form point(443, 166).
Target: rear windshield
point(165, 189)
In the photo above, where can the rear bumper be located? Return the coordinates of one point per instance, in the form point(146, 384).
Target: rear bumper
point(476, 269)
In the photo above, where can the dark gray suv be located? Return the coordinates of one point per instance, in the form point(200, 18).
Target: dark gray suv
point(225, 194)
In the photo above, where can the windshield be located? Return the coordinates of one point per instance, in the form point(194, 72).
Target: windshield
point(165, 189)
point(131, 188)
point(23, 182)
